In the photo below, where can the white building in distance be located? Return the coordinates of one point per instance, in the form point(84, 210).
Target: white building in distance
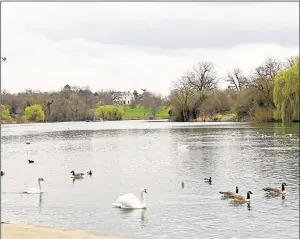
point(122, 98)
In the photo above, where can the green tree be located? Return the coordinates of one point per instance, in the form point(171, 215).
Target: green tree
point(35, 113)
point(5, 112)
point(287, 93)
point(109, 112)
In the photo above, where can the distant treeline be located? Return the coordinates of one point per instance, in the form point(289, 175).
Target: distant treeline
point(73, 103)
point(269, 93)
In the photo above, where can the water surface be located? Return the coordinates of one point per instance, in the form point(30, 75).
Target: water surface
point(127, 155)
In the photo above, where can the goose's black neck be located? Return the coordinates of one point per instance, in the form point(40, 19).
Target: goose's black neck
point(236, 190)
point(248, 195)
point(282, 187)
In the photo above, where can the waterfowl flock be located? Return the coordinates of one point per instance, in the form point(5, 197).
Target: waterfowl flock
point(131, 201)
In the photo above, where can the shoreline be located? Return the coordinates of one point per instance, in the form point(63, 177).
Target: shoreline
point(28, 231)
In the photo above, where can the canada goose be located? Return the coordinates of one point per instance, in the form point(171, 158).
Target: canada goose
point(77, 175)
point(30, 161)
point(89, 172)
point(182, 184)
point(208, 180)
point(230, 194)
point(241, 199)
point(275, 191)
point(2, 173)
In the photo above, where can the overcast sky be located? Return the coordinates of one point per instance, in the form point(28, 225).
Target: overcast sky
point(129, 46)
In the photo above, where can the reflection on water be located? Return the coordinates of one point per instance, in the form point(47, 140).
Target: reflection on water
point(249, 206)
point(125, 156)
point(76, 179)
point(40, 202)
point(134, 215)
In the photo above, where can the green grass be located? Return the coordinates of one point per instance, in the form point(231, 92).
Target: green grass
point(141, 113)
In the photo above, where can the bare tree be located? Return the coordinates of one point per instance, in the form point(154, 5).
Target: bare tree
point(203, 77)
point(290, 61)
point(237, 80)
point(263, 79)
point(104, 98)
point(182, 97)
point(152, 102)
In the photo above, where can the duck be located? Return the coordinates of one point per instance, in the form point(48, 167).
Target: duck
point(27, 142)
point(89, 173)
point(241, 199)
point(76, 175)
point(2, 173)
point(230, 194)
point(207, 180)
point(275, 191)
point(30, 161)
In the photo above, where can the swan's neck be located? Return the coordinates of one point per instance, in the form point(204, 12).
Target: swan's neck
point(142, 197)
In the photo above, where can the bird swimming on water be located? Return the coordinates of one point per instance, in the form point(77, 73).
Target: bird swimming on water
point(208, 180)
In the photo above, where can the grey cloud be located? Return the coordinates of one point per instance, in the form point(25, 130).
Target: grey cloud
point(222, 27)
point(177, 34)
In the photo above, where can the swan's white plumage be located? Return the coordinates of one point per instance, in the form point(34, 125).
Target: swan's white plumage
point(130, 201)
point(32, 190)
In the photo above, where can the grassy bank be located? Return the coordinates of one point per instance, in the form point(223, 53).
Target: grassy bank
point(141, 113)
point(230, 117)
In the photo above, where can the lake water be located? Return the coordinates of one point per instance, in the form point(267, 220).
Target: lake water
point(125, 156)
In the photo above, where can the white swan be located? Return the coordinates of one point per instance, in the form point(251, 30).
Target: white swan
point(35, 190)
point(130, 201)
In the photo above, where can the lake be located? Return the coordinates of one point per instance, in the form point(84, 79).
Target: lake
point(127, 155)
